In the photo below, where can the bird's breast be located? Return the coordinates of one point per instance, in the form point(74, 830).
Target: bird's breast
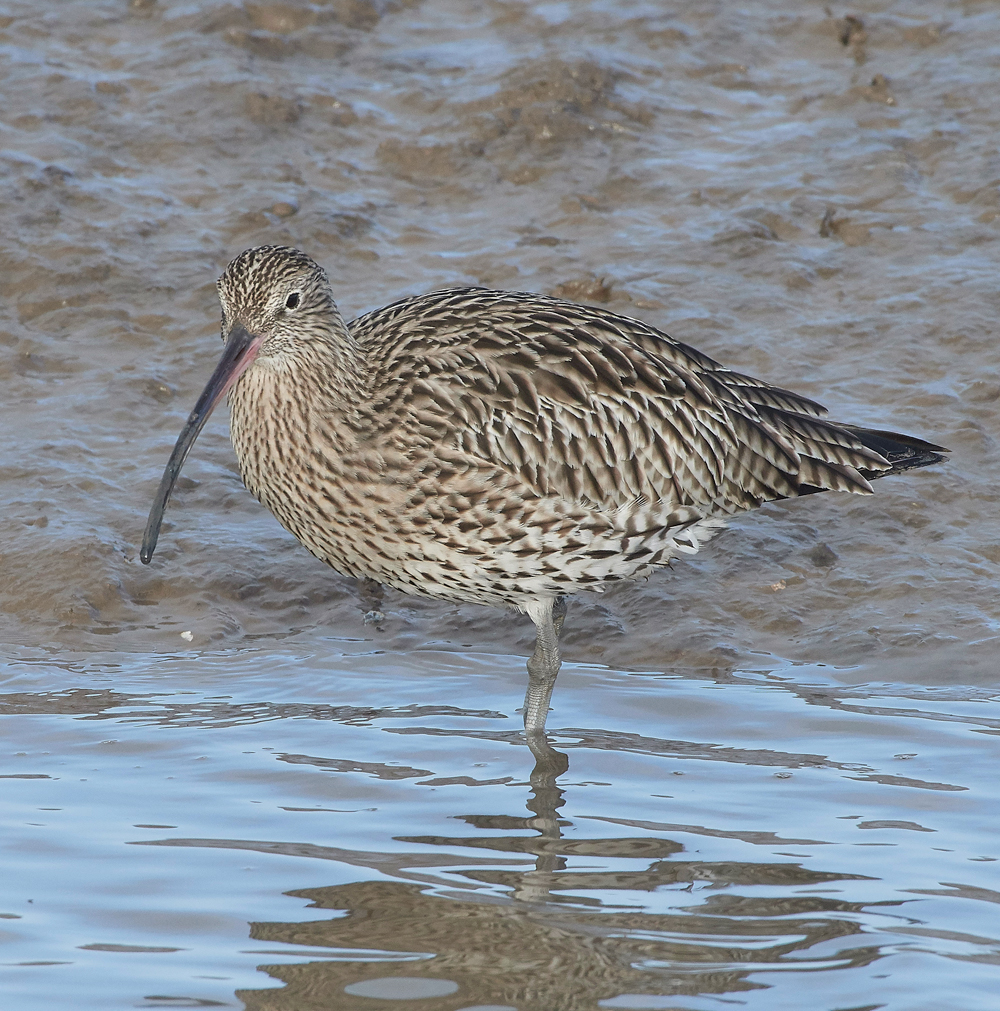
point(429, 518)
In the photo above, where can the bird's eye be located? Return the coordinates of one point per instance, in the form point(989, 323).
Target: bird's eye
point(292, 302)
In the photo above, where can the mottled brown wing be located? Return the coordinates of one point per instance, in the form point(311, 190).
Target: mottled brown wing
point(594, 407)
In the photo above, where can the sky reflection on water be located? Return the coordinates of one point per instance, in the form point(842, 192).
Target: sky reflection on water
point(703, 864)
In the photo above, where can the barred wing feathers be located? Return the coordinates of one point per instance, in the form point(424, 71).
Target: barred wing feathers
point(600, 409)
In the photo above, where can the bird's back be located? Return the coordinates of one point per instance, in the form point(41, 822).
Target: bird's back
point(598, 408)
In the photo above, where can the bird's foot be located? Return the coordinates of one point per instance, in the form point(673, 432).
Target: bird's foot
point(549, 763)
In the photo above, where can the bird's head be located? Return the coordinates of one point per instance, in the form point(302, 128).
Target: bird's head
point(276, 303)
point(279, 298)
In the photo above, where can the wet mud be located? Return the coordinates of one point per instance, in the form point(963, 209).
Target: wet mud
point(735, 178)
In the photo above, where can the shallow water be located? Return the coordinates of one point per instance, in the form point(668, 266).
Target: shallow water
point(781, 790)
point(183, 827)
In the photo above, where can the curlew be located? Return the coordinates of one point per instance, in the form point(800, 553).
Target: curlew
point(499, 447)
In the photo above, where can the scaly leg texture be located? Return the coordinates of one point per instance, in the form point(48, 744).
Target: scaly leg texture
point(544, 664)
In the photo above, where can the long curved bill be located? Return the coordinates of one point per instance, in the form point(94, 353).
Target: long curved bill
point(241, 349)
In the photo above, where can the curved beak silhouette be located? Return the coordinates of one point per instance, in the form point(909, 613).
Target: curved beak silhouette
point(240, 351)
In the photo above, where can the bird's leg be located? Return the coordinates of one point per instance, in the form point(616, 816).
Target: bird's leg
point(543, 666)
point(370, 591)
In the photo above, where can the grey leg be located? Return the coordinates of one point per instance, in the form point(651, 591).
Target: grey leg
point(544, 664)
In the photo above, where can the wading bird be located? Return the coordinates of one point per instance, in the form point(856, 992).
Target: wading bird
point(499, 447)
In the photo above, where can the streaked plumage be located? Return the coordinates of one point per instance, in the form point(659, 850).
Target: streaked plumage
point(504, 448)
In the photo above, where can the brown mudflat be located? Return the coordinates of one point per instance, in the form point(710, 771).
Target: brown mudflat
point(672, 176)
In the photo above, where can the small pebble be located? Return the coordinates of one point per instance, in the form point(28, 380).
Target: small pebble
point(187, 635)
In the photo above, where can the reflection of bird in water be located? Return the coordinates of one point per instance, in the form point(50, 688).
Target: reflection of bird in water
point(541, 922)
point(498, 447)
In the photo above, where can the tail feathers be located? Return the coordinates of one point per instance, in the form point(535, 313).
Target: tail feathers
point(903, 452)
point(839, 457)
point(900, 452)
